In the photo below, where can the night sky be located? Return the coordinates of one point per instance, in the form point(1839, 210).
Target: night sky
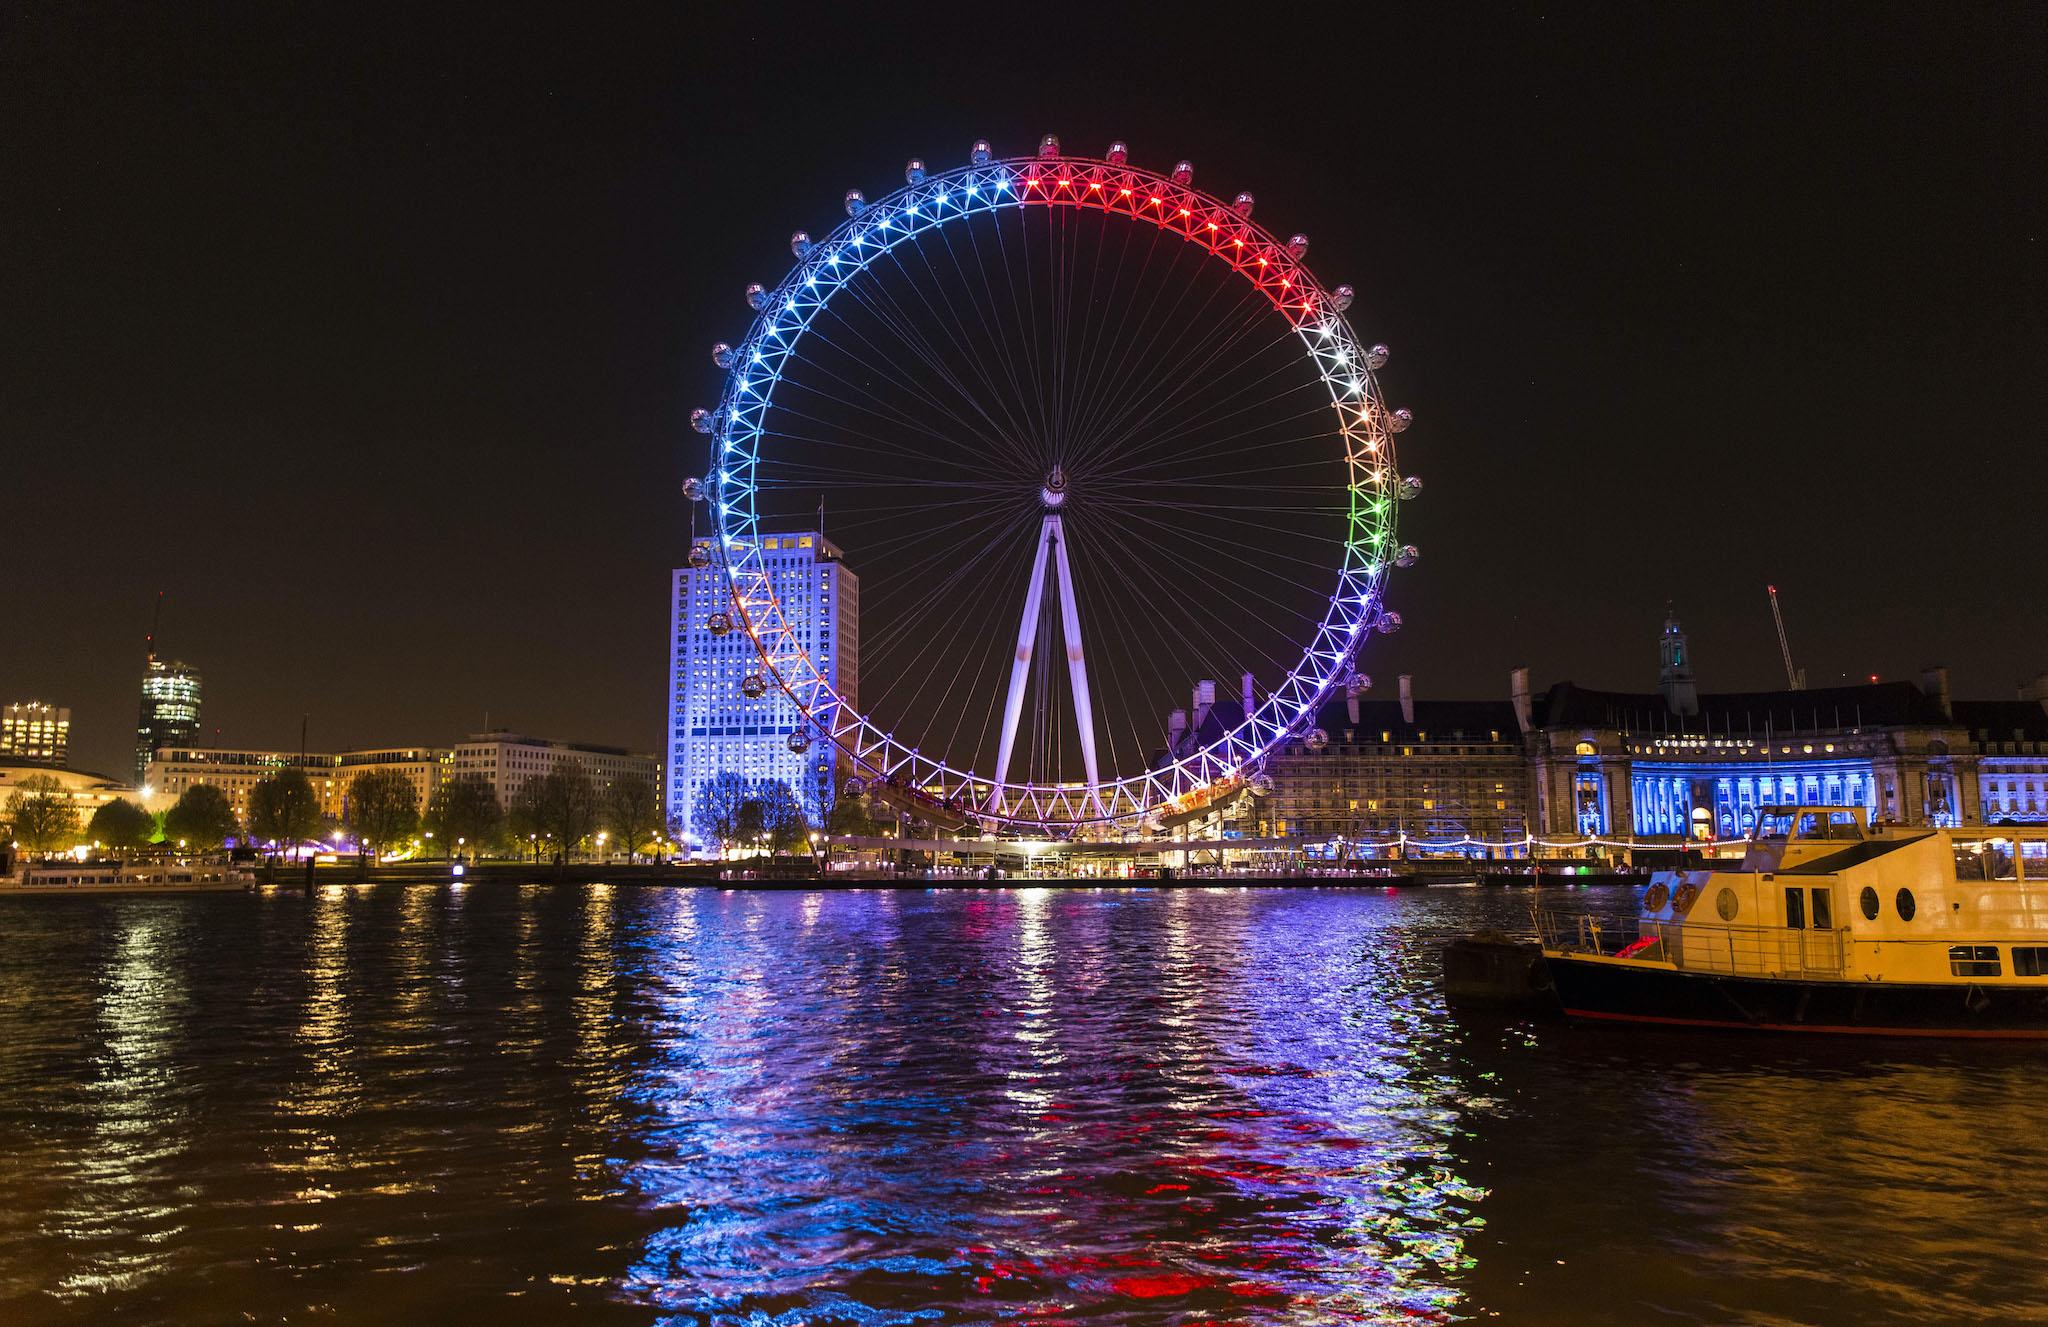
point(371, 334)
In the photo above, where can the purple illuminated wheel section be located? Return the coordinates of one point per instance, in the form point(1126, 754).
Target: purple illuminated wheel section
point(1112, 467)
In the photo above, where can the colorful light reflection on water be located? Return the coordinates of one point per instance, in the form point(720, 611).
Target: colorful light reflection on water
point(1232, 1106)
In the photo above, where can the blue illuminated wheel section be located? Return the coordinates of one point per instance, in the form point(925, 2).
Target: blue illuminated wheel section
point(1083, 388)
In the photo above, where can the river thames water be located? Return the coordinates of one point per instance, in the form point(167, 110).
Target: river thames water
point(505, 1104)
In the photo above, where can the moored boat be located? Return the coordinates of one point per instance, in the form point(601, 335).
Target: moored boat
point(1826, 925)
point(65, 876)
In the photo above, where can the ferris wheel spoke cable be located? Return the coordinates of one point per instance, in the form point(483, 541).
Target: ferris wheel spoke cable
point(1001, 436)
point(910, 620)
point(1097, 365)
point(985, 646)
point(807, 473)
point(922, 533)
point(1176, 544)
point(1030, 318)
point(1138, 665)
point(1009, 357)
point(886, 417)
point(1056, 336)
point(1236, 486)
point(1165, 534)
point(878, 360)
point(1213, 415)
point(875, 296)
point(1244, 607)
point(1085, 350)
point(929, 593)
point(1119, 372)
point(1163, 385)
point(1013, 424)
point(1156, 459)
point(1048, 454)
point(955, 332)
point(989, 433)
point(1190, 652)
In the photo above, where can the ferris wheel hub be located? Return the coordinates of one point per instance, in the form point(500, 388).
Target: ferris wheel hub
point(1055, 491)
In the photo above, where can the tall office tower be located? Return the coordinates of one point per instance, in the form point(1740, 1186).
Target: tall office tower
point(713, 727)
point(35, 733)
point(170, 711)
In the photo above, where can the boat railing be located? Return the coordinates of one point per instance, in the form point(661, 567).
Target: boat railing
point(1698, 947)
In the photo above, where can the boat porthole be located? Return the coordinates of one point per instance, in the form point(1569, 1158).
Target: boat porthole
point(1869, 901)
point(1655, 898)
point(1725, 904)
point(1905, 905)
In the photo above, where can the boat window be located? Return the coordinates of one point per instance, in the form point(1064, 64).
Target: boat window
point(1823, 910)
point(1904, 903)
point(1973, 960)
point(2030, 960)
point(1725, 904)
point(1795, 908)
point(1969, 861)
point(1869, 901)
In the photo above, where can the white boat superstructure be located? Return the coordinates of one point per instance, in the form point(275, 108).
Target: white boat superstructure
point(66, 876)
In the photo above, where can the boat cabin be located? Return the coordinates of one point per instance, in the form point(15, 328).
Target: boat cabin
point(1817, 893)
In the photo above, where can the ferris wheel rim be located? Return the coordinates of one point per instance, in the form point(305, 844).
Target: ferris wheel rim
point(1110, 185)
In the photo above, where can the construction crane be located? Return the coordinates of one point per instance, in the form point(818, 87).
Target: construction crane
point(1795, 678)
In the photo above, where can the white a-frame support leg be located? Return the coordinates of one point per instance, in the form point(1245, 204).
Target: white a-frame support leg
point(1051, 538)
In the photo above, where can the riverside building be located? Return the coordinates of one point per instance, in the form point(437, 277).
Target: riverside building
point(506, 760)
point(1433, 772)
point(174, 770)
point(713, 727)
point(1662, 766)
point(1676, 763)
point(35, 733)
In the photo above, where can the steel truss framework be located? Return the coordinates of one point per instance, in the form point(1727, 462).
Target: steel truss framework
point(1226, 231)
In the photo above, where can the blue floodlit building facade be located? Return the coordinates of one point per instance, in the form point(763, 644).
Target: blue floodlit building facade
point(713, 727)
point(1676, 763)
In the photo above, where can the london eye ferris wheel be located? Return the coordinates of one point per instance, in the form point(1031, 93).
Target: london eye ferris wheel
point(1089, 436)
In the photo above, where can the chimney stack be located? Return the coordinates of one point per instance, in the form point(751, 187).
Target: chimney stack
point(1407, 699)
point(1934, 685)
point(1204, 701)
point(1518, 691)
point(1353, 689)
point(1249, 698)
point(1176, 729)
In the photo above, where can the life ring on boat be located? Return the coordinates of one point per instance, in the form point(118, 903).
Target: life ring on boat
point(1656, 896)
point(1631, 950)
point(1688, 894)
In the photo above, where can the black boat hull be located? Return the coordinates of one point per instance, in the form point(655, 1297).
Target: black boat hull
point(1628, 993)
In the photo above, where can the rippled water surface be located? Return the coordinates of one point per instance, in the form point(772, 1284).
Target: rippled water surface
point(507, 1105)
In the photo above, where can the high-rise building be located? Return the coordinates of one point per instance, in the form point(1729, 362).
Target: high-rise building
point(714, 728)
point(170, 711)
point(35, 733)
